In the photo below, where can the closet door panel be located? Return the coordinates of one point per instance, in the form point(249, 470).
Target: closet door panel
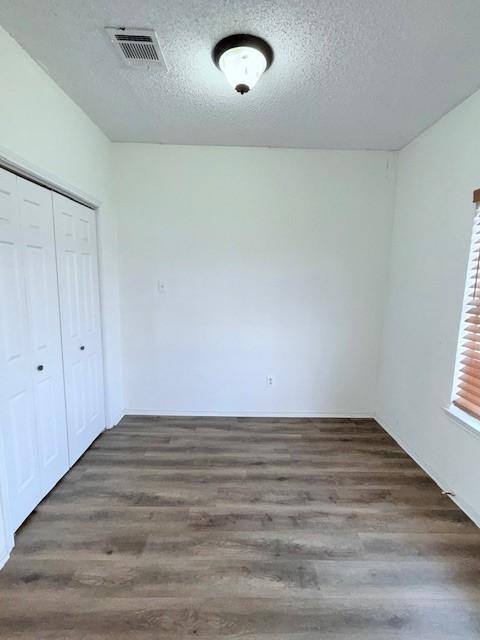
point(73, 363)
point(90, 318)
point(17, 413)
point(36, 214)
point(80, 312)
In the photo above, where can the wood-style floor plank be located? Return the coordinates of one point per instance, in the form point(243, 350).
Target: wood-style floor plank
point(268, 529)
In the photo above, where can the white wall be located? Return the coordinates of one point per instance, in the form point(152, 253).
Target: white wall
point(41, 126)
point(274, 262)
point(437, 174)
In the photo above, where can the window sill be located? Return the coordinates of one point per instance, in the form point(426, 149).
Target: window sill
point(465, 420)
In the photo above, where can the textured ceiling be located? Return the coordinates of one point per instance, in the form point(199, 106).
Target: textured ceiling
point(348, 74)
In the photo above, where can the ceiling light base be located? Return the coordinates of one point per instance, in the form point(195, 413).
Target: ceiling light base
point(242, 40)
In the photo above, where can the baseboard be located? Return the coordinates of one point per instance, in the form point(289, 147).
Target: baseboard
point(465, 506)
point(250, 414)
point(115, 423)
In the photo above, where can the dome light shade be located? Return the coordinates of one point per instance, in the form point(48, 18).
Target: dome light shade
point(242, 67)
point(243, 59)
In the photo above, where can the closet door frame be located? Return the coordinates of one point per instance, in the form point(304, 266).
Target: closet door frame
point(7, 539)
point(35, 173)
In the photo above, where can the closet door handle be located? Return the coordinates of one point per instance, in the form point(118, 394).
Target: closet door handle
point(40, 367)
point(82, 348)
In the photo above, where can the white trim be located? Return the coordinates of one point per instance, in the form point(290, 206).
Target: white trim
point(101, 299)
point(470, 424)
point(12, 162)
point(462, 326)
point(242, 413)
point(465, 506)
point(5, 506)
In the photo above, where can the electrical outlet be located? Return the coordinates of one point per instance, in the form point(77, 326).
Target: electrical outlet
point(270, 381)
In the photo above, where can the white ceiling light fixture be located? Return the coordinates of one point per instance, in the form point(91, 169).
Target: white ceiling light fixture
point(243, 59)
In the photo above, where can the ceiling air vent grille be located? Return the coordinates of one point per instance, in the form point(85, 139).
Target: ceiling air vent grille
point(137, 47)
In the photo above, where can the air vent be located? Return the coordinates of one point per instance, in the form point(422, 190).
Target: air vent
point(137, 47)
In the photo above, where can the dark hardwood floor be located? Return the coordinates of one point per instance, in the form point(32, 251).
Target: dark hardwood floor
point(244, 529)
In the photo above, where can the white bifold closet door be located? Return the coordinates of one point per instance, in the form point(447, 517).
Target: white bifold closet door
point(76, 241)
point(32, 400)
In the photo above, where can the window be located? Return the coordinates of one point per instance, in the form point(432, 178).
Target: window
point(466, 393)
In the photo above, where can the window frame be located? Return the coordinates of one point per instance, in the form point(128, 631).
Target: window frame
point(459, 415)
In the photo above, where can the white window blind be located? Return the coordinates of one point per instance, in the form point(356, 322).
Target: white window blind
point(467, 384)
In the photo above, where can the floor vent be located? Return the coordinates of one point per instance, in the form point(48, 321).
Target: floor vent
point(137, 47)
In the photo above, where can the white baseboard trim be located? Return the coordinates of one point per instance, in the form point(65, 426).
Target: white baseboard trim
point(467, 508)
point(249, 414)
